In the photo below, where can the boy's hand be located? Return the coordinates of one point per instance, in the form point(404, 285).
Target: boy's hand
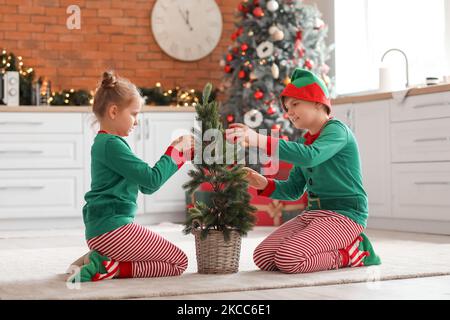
point(185, 144)
point(255, 179)
point(239, 132)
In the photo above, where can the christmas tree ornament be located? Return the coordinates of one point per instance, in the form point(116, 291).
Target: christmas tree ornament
point(253, 76)
point(272, 5)
point(244, 47)
point(258, 95)
point(230, 118)
point(229, 57)
point(222, 63)
point(227, 68)
point(275, 71)
point(258, 12)
point(247, 85)
point(273, 29)
point(264, 49)
point(253, 118)
point(251, 33)
point(277, 35)
point(308, 64)
point(271, 110)
point(242, 74)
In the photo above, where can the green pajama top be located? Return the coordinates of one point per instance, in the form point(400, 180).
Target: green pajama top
point(116, 177)
point(329, 169)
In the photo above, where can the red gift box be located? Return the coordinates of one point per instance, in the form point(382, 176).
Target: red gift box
point(275, 212)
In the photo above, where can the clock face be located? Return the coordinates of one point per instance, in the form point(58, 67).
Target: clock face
point(187, 30)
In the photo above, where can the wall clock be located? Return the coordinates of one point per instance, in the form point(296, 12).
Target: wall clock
point(186, 30)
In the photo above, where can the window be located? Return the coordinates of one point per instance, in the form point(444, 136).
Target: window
point(365, 29)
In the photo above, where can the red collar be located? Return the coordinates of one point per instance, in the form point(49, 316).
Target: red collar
point(102, 131)
point(310, 138)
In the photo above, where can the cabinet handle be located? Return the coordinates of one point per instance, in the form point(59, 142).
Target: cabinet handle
point(147, 129)
point(431, 139)
point(22, 187)
point(431, 105)
point(22, 151)
point(433, 183)
point(21, 123)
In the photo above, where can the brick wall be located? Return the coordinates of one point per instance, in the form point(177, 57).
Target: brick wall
point(114, 34)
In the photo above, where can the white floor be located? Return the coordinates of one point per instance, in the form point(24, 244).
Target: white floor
point(434, 288)
point(437, 287)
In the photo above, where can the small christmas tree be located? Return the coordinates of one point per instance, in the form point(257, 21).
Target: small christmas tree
point(273, 37)
point(229, 206)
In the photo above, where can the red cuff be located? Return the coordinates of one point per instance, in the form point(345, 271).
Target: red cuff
point(125, 270)
point(268, 190)
point(272, 144)
point(176, 155)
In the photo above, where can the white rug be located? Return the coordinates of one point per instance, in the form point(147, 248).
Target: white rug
point(33, 264)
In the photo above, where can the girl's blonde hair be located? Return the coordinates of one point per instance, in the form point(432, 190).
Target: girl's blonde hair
point(114, 90)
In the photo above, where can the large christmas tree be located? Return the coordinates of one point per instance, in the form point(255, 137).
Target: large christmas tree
point(272, 39)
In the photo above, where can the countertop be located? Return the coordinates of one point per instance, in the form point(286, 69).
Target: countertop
point(374, 96)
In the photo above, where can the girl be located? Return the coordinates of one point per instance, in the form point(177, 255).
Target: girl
point(120, 247)
point(328, 235)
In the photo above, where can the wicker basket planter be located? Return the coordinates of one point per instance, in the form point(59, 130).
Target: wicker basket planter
point(215, 255)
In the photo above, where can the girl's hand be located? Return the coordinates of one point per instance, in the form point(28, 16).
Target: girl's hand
point(255, 179)
point(184, 144)
point(239, 132)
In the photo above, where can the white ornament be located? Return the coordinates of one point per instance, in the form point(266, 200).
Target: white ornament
point(253, 118)
point(272, 5)
point(278, 35)
point(273, 29)
point(275, 71)
point(253, 76)
point(222, 63)
point(264, 49)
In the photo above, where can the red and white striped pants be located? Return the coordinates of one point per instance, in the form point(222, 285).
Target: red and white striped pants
point(141, 253)
point(307, 243)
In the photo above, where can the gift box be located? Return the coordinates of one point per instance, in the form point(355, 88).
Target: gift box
point(275, 212)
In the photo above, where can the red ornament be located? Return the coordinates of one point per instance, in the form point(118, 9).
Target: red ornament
point(244, 47)
point(239, 31)
point(258, 12)
point(227, 68)
point(242, 8)
point(270, 110)
point(276, 127)
point(258, 95)
point(235, 50)
point(234, 36)
point(308, 64)
point(229, 57)
point(242, 74)
point(230, 118)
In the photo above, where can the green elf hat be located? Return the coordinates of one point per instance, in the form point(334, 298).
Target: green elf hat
point(305, 85)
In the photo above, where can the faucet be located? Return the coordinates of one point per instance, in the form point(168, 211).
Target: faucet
point(406, 59)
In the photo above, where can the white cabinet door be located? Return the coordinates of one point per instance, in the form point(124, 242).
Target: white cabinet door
point(372, 133)
point(421, 191)
point(345, 113)
point(160, 129)
point(419, 141)
point(41, 193)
